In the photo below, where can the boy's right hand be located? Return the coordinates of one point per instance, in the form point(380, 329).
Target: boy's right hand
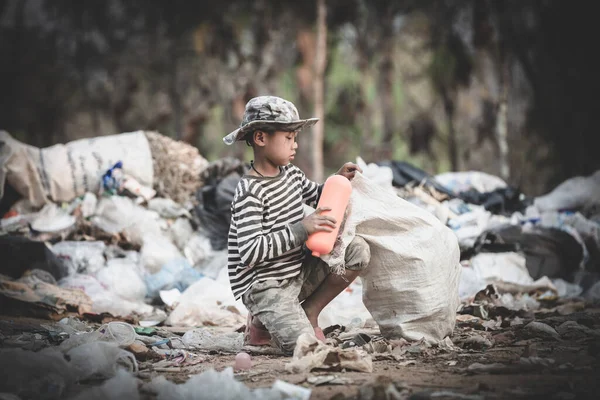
point(316, 222)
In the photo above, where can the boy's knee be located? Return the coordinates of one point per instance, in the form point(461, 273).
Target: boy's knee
point(358, 254)
point(286, 336)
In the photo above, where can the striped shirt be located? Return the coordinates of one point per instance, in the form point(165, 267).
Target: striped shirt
point(266, 234)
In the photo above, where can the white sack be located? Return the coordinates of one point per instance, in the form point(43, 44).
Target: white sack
point(64, 171)
point(411, 284)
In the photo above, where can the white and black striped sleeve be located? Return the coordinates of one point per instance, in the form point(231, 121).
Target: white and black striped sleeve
point(254, 244)
point(311, 191)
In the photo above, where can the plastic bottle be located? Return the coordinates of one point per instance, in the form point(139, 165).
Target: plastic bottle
point(336, 194)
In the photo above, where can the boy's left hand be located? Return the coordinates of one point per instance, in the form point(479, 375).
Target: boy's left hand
point(349, 170)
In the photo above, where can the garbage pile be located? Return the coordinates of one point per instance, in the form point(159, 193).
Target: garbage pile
point(138, 222)
point(129, 233)
point(549, 245)
point(117, 227)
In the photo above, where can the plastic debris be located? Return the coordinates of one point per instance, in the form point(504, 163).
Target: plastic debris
point(243, 361)
point(311, 353)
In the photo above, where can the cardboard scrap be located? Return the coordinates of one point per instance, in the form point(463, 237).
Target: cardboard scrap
point(38, 297)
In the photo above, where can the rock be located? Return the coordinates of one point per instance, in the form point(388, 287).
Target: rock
point(139, 349)
point(541, 329)
point(477, 342)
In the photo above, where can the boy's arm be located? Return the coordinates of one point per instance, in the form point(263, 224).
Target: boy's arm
point(254, 245)
point(311, 191)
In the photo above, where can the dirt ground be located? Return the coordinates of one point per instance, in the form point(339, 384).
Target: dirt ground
point(526, 363)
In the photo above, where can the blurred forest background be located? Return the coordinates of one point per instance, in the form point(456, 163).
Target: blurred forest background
point(505, 87)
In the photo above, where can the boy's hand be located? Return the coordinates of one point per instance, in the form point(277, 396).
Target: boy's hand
point(349, 170)
point(316, 222)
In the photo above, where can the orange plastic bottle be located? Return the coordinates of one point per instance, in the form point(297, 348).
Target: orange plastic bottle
point(336, 194)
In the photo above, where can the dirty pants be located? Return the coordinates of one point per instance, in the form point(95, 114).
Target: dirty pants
point(276, 303)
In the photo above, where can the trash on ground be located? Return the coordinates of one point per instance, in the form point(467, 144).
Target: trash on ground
point(311, 354)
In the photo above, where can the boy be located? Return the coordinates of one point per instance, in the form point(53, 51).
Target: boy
point(282, 285)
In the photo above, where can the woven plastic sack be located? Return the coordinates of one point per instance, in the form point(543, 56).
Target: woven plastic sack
point(410, 287)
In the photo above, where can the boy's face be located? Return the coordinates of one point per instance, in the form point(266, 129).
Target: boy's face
point(280, 147)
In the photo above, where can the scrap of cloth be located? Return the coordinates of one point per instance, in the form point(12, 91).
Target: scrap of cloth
point(410, 287)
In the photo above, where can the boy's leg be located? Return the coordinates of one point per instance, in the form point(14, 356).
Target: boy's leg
point(357, 257)
point(275, 304)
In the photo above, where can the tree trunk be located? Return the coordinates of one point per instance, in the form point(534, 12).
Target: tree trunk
point(385, 83)
point(320, 62)
point(305, 42)
point(452, 146)
point(502, 121)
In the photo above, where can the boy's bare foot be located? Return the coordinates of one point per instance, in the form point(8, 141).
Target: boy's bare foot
point(319, 333)
point(256, 334)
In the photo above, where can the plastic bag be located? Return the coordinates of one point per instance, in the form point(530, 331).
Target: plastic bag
point(52, 219)
point(206, 303)
point(100, 360)
point(167, 208)
point(213, 265)
point(464, 181)
point(104, 300)
point(123, 278)
point(220, 179)
point(157, 251)
point(120, 214)
point(82, 257)
point(181, 232)
point(88, 205)
point(380, 175)
point(120, 333)
point(198, 249)
point(177, 273)
point(204, 339)
point(490, 267)
point(45, 374)
point(122, 386)
point(580, 192)
point(212, 385)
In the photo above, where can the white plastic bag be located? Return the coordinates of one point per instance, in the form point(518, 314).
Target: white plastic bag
point(103, 299)
point(122, 386)
point(52, 219)
point(100, 359)
point(44, 374)
point(120, 214)
point(411, 284)
point(176, 273)
point(157, 251)
point(486, 268)
point(206, 303)
point(576, 193)
point(167, 208)
point(198, 249)
point(123, 278)
point(181, 232)
point(380, 175)
point(466, 180)
point(82, 257)
point(211, 385)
